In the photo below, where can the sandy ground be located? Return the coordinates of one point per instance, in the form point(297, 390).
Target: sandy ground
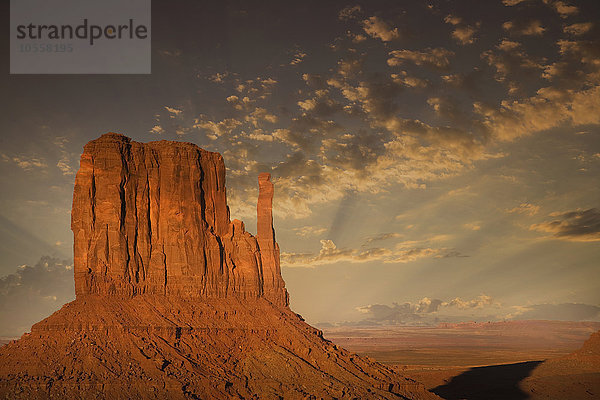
point(484, 361)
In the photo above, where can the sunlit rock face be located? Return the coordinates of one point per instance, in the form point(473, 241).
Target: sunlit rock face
point(274, 286)
point(153, 218)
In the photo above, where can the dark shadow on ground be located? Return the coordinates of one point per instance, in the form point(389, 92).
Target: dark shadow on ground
point(488, 383)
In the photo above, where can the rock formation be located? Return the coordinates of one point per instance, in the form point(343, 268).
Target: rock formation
point(153, 218)
point(574, 376)
point(274, 287)
point(176, 301)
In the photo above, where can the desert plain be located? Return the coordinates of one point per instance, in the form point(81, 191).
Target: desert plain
point(490, 360)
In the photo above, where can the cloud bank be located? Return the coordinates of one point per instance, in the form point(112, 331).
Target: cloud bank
point(33, 293)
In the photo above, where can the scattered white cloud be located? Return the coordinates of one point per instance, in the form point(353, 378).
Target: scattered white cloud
point(157, 129)
point(64, 165)
point(525, 209)
point(564, 9)
point(578, 29)
point(576, 226)
point(298, 58)
point(462, 33)
point(25, 162)
point(350, 12)
point(560, 312)
point(526, 28)
point(510, 3)
point(403, 252)
point(173, 111)
point(32, 293)
point(474, 226)
point(438, 57)
point(310, 231)
point(214, 129)
point(426, 311)
point(218, 77)
point(379, 29)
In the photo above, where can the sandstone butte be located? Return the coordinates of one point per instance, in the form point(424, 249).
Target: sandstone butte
point(174, 300)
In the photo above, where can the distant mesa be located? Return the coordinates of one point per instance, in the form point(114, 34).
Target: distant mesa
point(174, 300)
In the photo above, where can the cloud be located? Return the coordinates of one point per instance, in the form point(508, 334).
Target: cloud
point(452, 19)
point(576, 226)
point(512, 63)
point(260, 135)
point(310, 231)
point(524, 208)
point(63, 165)
point(463, 34)
point(218, 77)
point(403, 252)
point(438, 57)
point(298, 58)
point(173, 111)
point(524, 27)
point(510, 3)
point(428, 311)
point(350, 12)
point(259, 88)
point(548, 109)
point(315, 81)
point(578, 68)
point(560, 312)
point(379, 29)
point(260, 115)
point(578, 29)
point(26, 163)
point(424, 312)
point(563, 9)
point(321, 104)
point(402, 78)
point(33, 293)
point(214, 129)
point(157, 129)
point(474, 226)
point(479, 302)
point(358, 126)
point(350, 66)
point(383, 236)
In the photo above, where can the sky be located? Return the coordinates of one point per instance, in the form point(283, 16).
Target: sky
point(433, 161)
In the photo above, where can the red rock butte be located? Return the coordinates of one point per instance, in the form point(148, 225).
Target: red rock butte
point(153, 218)
point(174, 300)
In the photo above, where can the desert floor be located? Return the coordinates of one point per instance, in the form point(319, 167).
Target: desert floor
point(504, 360)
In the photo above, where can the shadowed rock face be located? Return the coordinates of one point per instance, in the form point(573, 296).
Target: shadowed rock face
point(153, 218)
point(174, 300)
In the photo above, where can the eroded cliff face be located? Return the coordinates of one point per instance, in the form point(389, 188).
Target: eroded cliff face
point(153, 218)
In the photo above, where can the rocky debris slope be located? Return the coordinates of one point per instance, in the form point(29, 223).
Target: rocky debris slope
point(574, 376)
point(591, 347)
point(163, 347)
point(174, 301)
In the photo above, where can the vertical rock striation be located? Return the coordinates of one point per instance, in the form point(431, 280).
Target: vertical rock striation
point(153, 218)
